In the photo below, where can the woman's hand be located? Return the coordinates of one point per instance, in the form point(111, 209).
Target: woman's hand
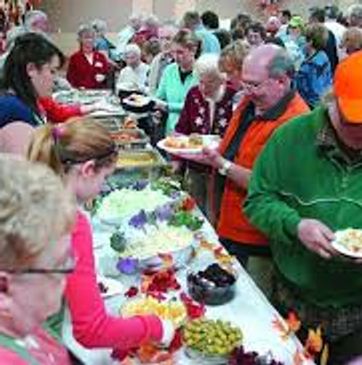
point(208, 156)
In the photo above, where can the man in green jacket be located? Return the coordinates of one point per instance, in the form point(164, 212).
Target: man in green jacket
point(306, 185)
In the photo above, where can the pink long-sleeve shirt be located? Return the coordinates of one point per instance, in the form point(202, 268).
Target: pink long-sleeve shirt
point(92, 326)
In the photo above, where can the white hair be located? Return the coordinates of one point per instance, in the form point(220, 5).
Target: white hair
point(132, 48)
point(151, 21)
point(84, 28)
point(100, 26)
point(355, 10)
point(207, 64)
point(33, 15)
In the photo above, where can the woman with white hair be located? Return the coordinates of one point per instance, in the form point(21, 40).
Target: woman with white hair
point(207, 110)
point(134, 76)
point(87, 67)
point(208, 106)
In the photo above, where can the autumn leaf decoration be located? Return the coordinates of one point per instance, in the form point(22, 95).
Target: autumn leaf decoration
point(314, 345)
point(287, 327)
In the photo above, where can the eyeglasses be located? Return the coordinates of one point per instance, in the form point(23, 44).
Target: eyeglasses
point(253, 86)
point(66, 269)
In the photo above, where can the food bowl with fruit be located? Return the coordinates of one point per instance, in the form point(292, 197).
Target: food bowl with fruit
point(210, 341)
point(213, 286)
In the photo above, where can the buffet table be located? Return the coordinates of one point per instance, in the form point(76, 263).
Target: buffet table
point(249, 309)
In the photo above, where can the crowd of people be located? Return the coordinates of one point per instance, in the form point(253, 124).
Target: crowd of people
point(284, 96)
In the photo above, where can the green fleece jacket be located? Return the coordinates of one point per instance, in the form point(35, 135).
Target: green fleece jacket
point(174, 91)
point(296, 177)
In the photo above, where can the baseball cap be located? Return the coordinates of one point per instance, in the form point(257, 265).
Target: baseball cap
point(347, 87)
point(296, 22)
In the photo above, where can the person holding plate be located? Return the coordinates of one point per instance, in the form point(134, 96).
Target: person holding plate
point(304, 192)
point(207, 110)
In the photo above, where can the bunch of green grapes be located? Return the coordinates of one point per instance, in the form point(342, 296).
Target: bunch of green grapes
point(212, 337)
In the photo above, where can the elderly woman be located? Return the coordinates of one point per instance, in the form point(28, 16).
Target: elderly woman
point(314, 77)
point(87, 67)
point(352, 40)
point(29, 74)
point(134, 76)
point(208, 106)
point(207, 110)
point(178, 77)
point(34, 260)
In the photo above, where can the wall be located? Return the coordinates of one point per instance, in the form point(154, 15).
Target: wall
point(66, 15)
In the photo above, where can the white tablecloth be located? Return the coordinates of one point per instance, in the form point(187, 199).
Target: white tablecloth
point(249, 309)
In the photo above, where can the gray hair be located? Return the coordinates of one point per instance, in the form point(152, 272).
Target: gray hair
point(84, 28)
point(151, 21)
point(207, 64)
point(100, 26)
point(281, 64)
point(132, 48)
point(33, 15)
point(355, 10)
point(35, 211)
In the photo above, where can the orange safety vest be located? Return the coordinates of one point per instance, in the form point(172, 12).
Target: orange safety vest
point(232, 223)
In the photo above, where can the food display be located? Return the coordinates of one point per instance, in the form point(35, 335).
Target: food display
point(139, 159)
point(152, 241)
point(180, 142)
point(129, 123)
point(123, 203)
point(137, 103)
point(130, 138)
point(213, 286)
point(192, 144)
point(349, 241)
point(172, 310)
point(211, 338)
point(242, 357)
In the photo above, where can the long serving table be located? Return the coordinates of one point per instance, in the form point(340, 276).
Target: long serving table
point(249, 309)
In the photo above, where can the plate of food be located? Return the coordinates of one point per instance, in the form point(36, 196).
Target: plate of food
point(192, 144)
point(349, 242)
point(137, 103)
point(172, 310)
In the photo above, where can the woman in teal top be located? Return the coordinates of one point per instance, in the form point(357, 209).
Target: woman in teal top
point(178, 77)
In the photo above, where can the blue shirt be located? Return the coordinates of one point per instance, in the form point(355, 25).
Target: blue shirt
point(210, 43)
point(13, 109)
point(314, 78)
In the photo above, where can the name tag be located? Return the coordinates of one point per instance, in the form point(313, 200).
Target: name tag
point(98, 64)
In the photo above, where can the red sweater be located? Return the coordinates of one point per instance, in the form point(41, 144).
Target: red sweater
point(92, 326)
point(83, 74)
point(58, 113)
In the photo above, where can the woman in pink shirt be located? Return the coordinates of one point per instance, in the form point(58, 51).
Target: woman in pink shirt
point(83, 152)
point(37, 214)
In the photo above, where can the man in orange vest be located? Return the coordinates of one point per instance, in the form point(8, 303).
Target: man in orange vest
point(269, 102)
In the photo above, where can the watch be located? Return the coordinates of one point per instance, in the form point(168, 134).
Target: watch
point(225, 168)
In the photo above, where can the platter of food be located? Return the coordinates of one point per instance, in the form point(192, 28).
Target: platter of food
point(139, 159)
point(137, 103)
point(211, 341)
point(172, 310)
point(130, 138)
point(192, 144)
point(349, 242)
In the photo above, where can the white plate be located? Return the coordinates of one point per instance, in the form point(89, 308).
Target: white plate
point(209, 140)
point(337, 245)
point(114, 287)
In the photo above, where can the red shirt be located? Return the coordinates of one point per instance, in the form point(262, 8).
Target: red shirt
point(83, 74)
point(58, 113)
point(92, 326)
